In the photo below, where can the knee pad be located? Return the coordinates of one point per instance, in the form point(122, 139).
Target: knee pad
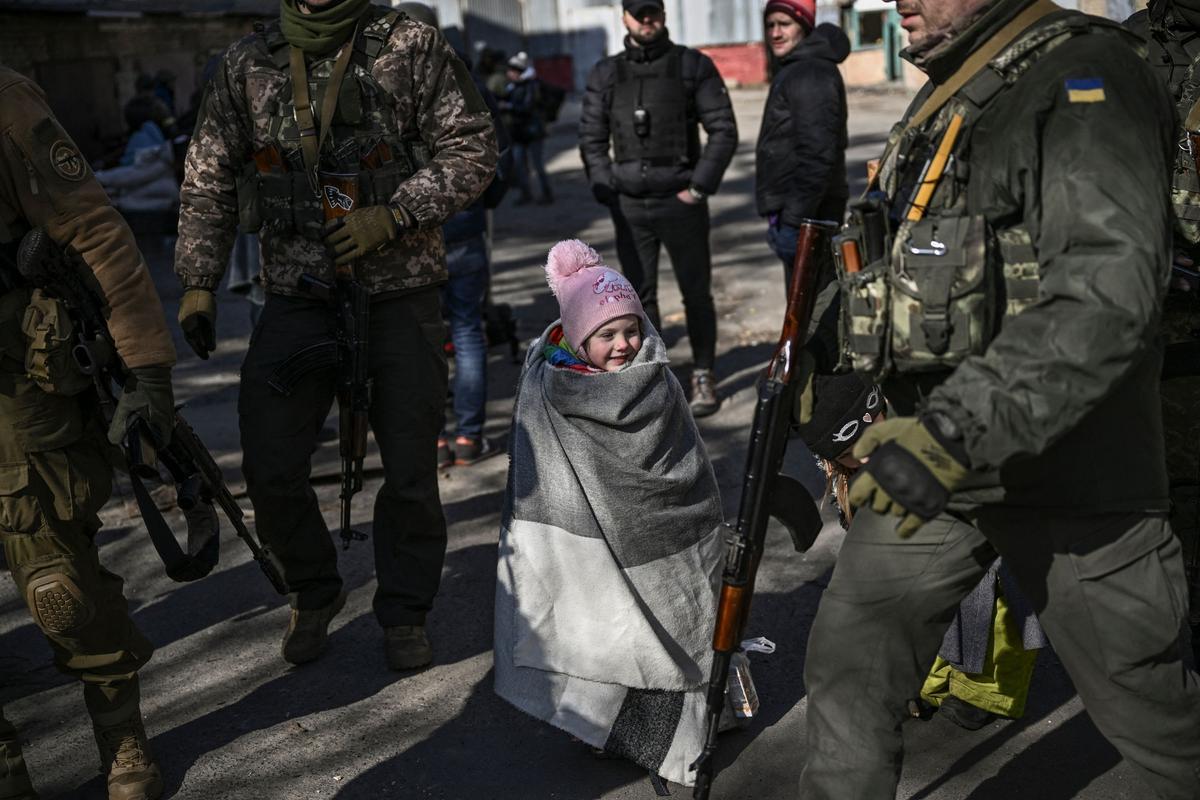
point(58, 605)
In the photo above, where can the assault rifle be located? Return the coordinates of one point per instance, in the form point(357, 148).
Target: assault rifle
point(765, 492)
point(348, 353)
point(56, 272)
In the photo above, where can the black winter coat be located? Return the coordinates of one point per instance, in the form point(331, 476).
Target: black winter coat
point(708, 106)
point(800, 160)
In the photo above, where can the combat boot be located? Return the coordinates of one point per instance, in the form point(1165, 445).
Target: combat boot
point(308, 632)
point(406, 647)
point(125, 756)
point(14, 777)
point(704, 393)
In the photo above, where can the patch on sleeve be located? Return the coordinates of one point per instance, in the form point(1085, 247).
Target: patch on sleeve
point(1085, 90)
point(59, 151)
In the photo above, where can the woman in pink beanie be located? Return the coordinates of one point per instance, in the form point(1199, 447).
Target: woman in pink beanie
point(610, 541)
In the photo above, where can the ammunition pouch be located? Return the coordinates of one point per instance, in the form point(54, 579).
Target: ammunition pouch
point(49, 361)
point(927, 305)
point(942, 306)
point(1185, 199)
point(285, 201)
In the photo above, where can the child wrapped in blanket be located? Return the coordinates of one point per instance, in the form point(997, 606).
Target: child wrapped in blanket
point(610, 545)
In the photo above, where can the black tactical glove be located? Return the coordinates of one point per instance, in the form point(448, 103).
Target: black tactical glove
point(605, 195)
point(148, 397)
point(198, 320)
point(910, 471)
point(363, 231)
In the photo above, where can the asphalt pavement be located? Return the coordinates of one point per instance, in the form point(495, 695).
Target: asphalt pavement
point(229, 719)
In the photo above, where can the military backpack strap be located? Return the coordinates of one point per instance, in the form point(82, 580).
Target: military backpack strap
point(311, 140)
point(374, 35)
point(976, 63)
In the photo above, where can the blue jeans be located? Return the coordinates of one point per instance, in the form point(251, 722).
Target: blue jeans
point(462, 298)
point(526, 155)
point(782, 239)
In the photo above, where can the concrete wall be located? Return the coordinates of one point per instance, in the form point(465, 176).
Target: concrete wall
point(88, 64)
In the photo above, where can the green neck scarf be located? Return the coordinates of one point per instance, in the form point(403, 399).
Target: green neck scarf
point(320, 32)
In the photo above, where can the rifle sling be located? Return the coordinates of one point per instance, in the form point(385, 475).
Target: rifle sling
point(311, 141)
point(181, 567)
point(972, 66)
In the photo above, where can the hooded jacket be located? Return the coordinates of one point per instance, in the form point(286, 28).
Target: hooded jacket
point(707, 103)
point(800, 160)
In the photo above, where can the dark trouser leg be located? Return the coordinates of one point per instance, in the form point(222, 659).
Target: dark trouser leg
point(1182, 428)
point(14, 777)
point(463, 298)
point(637, 250)
point(1110, 594)
point(408, 366)
point(279, 435)
point(538, 157)
point(684, 231)
point(878, 629)
point(520, 166)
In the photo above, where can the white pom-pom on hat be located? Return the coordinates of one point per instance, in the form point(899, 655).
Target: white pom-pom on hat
point(566, 258)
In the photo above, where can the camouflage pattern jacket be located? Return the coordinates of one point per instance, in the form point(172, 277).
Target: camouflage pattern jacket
point(1068, 164)
point(428, 98)
point(45, 182)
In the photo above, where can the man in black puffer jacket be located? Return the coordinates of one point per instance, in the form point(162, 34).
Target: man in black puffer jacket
point(800, 160)
point(648, 103)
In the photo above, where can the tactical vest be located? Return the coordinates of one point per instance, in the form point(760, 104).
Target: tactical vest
point(1185, 181)
point(936, 291)
point(649, 111)
point(366, 154)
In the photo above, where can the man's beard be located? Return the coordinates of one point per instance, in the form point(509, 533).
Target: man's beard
point(645, 40)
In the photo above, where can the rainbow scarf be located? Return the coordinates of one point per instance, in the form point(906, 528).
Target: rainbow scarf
point(559, 354)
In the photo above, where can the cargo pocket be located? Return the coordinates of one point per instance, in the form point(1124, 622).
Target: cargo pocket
point(1133, 590)
point(77, 480)
point(20, 509)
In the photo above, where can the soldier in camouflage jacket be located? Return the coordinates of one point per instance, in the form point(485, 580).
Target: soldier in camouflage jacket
point(407, 143)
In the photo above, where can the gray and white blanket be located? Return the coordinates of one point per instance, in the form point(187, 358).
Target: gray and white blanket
point(610, 554)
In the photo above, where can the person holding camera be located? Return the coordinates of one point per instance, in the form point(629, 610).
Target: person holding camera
point(640, 140)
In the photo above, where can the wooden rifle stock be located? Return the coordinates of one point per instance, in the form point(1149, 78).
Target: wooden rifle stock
point(768, 442)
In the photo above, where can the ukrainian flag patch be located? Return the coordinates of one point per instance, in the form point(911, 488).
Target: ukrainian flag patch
point(1085, 90)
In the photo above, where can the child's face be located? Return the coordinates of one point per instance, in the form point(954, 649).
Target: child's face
point(615, 343)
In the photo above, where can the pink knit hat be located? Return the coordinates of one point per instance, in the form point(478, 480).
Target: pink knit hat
point(589, 293)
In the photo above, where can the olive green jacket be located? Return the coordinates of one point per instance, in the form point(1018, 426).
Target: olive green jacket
point(1062, 409)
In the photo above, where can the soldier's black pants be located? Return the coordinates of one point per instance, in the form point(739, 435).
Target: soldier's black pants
point(645, 225)
point(1109, 592)
point(279, 435)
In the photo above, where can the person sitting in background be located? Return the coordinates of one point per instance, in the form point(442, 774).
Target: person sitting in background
point(144, 182)
point(800, 159)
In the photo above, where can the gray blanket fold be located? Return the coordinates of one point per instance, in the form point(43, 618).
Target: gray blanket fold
point(610, 553)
